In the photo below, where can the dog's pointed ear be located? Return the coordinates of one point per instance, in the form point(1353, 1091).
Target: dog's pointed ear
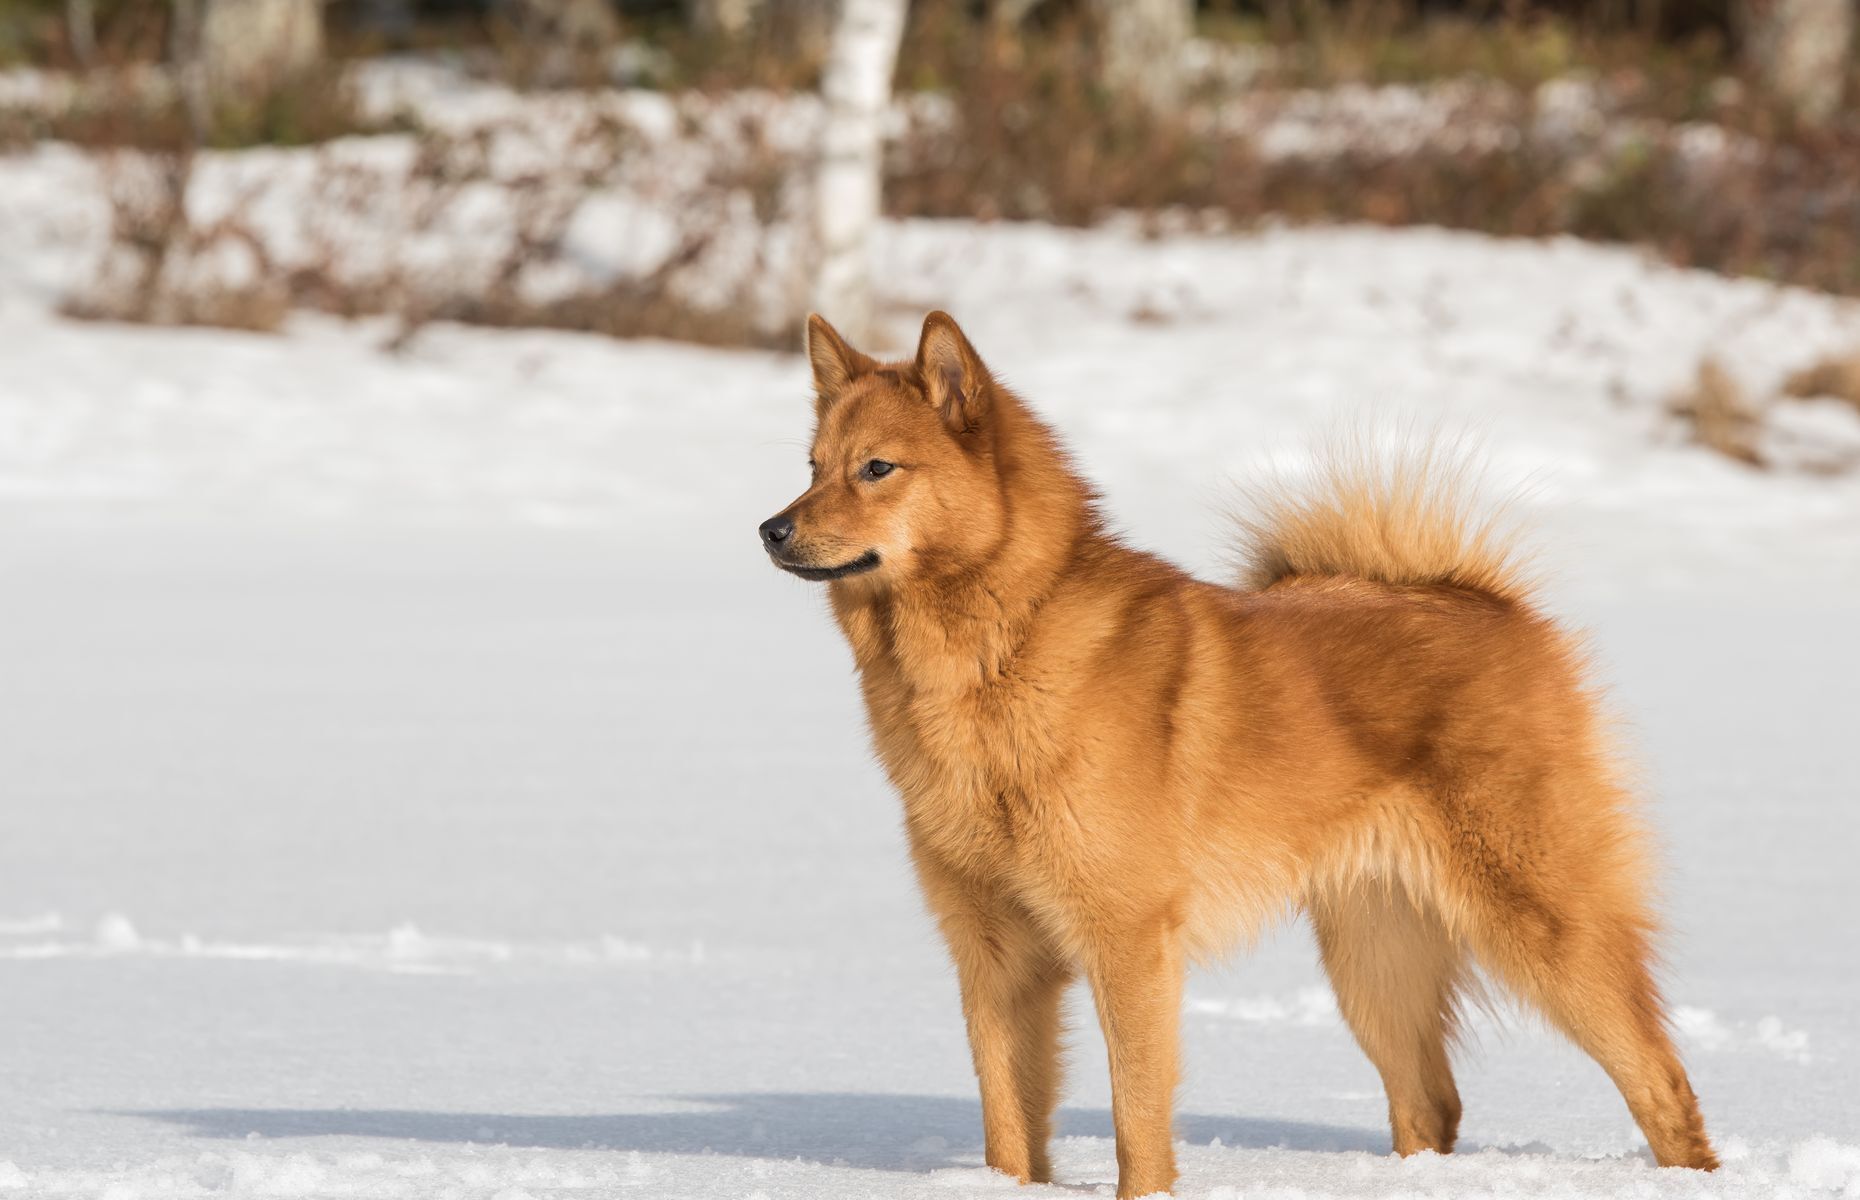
point(835, 363)
point(952, 372)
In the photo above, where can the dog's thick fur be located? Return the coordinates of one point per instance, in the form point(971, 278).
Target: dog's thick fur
point(1109, 768)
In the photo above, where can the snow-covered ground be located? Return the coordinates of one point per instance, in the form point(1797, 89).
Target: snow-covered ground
point(417, 785)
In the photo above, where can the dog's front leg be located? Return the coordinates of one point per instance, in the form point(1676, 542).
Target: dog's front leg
point(1136, 979)
point(1011, 987)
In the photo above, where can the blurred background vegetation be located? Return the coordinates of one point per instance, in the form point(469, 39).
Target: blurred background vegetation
point(1716, 133)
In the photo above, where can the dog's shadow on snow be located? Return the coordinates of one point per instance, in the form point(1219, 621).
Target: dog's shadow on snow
point(875, 1131)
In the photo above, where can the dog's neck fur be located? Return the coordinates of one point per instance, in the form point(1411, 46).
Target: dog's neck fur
point(955, 627)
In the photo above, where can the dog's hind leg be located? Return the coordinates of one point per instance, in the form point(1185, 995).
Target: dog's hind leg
point(1594, 984)
point(1563, 922)
point(1397, 974)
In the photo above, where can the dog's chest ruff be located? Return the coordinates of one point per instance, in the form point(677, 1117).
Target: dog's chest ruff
point(971, 752)
point(966, 735)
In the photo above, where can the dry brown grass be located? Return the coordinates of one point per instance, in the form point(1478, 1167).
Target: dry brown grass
point(1837, 376)
point(39, 33)
point(143, 107)
point(1809, 426)
point(1719, 414)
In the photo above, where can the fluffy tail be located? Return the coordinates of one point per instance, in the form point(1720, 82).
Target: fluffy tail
point(1408, 517)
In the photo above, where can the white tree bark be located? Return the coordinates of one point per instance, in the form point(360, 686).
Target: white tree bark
point(246, 44)
point(857, 89)
point(1140, 45)
point(1800, 50)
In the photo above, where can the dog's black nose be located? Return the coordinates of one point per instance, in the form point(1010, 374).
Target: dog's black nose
point(775, 530)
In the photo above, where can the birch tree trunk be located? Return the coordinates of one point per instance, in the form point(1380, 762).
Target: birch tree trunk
point(1140, 45)
point(249, 44)
point(1801, 50)
point(861, 58)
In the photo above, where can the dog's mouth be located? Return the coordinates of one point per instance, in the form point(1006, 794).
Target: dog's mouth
point(858, 566)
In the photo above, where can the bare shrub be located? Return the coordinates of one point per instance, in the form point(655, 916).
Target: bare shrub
point(161, 266)
point(170, 76)
point(553, 43)
point(572, 217)
point(714, 246)
point(59, 34)
point(1023, 129)
point(1540, 131)
point(1520, 128)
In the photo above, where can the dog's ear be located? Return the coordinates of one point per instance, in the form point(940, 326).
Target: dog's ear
point(953, 375)
point(835, 363)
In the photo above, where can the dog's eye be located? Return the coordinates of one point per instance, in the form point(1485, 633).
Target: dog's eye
point(878, 468)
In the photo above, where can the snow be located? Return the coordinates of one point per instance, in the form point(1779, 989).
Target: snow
point(419, 786)
point(1307, 1006)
